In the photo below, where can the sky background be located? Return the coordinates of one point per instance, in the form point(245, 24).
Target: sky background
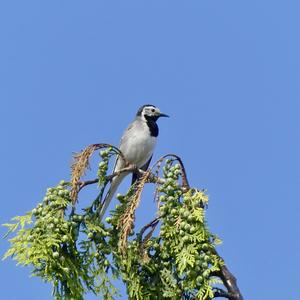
point(75, 72)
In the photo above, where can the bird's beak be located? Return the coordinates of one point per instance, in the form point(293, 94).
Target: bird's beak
point(163, 115)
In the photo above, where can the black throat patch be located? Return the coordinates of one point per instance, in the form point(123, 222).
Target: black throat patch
point(153, 127)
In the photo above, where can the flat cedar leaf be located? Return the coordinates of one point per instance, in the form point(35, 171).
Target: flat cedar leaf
point(11, 228)
point(170, 287)
point(199, 214)
point(23, 220)
point(192, 249)
point(217, 241)
point(8, 253)
point(214, 280)
point(9, 225)
point(199, 195)
point(96, 228)
point(184, 258)
point(205, 292)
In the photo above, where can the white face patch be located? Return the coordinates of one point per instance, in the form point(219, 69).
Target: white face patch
point(151, 111)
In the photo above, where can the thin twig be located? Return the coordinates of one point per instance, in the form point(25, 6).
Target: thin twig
point(185, 183)
point(131, 168)
point(143, 241)
point(150, 224)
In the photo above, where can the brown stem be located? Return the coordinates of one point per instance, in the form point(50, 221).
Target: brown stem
point(229, 281)
point(82, 184)
point(185, 184)
point(131, 168)
point(151, 224)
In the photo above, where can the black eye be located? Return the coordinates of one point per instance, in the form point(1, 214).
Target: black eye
point(153, 110)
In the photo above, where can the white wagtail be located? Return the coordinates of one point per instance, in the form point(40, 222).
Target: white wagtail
point(137, 145)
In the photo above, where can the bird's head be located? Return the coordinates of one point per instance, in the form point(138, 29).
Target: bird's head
point(150, 112)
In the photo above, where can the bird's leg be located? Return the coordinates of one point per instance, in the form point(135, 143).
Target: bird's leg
point(135, 168)
point(135, 175)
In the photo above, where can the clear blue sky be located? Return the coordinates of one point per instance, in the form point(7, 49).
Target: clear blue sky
point(74, 73)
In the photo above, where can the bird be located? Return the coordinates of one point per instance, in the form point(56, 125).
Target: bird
point(137, 145)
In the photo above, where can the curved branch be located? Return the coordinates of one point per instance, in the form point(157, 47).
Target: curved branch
point(82, 163)
point(131, 168)
point(229, 281)
point(185, 183)
point(82, 184)
point(151, 225)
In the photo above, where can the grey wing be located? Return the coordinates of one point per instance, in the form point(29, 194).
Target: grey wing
point(119, 163)
point(115, 181)
point(136, 176)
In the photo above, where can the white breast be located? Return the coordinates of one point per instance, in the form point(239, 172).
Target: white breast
point(137, 144)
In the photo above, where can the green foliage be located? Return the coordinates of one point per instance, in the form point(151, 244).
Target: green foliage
point(55, 250)
point(180, 261)
point(77, 254)
point(103, 165)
